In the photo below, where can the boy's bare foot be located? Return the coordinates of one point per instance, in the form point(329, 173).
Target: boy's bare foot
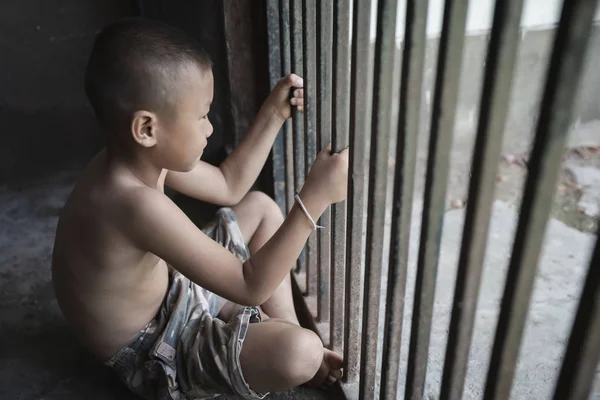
point(329, 372)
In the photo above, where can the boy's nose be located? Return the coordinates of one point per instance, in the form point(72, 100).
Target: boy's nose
point(210, 131)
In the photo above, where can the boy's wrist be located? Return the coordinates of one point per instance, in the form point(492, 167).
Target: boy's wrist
point(270, 113)
point(313, 202)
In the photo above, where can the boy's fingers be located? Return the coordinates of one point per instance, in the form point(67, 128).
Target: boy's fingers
point(293, 80)
point(345, 154)
point(299, 93)
point(326, 151)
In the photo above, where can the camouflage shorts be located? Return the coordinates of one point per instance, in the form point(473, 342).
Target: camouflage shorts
point(185, 352)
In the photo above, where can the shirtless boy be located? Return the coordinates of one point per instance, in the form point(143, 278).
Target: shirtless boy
point(176, 312)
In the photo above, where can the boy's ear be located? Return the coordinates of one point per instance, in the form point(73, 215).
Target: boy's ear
point(144, 128)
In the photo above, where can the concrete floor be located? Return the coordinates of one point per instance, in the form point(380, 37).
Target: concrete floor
point(564, 260)
point(39, 358)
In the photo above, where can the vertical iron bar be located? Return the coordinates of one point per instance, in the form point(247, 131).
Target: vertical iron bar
point(583, 351)
point(495, 96)
point(438, 163)
point(360, 128)
point(298, 118)
point(340, 140)
point(411, 83)
point(310, 123)
point(553, 126)
point(324, 66)
point(383, 91)
point(286, 68)
point(275, 61)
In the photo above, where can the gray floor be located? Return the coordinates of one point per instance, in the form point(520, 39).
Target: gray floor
point(39, 358)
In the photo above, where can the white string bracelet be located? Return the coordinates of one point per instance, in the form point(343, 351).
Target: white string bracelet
point(312, 221)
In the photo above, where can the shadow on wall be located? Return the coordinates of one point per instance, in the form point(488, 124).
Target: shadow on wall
point(47, 124)
point(38, 142)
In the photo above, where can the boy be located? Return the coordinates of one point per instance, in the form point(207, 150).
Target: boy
point(171, 309)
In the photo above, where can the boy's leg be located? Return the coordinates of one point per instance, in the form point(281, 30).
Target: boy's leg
point(264, 359)
point(259, 218)
point(278, 355)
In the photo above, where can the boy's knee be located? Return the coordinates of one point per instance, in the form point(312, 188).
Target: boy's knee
point(263, 203)
point(303, 355)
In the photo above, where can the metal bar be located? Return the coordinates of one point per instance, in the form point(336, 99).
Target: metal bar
point(310, 123)
point(288, 139)
point(583, 351)
point(383, 91)
point(340, 135)
point(438, 163)
point(360, 128)
point(243, 101)
point(298, 119)
point(325, 86)
point(411, 83)
point(495, 96)
point(553, 126)
point(274, 52)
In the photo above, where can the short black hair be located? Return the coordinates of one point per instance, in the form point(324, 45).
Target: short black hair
point(133, 65)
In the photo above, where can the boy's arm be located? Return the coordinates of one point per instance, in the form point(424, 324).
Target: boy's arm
point(228, 184)
point(160, 227)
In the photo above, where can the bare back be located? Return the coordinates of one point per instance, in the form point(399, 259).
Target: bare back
point(107, 288)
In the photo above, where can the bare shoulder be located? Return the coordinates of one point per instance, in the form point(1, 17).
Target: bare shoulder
point(101, 208)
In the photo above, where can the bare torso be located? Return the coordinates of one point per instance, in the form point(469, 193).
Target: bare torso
point(107, 288)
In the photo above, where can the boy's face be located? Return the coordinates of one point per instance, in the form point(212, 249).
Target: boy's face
point(187, 129)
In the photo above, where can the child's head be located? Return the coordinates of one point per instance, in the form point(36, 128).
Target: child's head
point(151, 87)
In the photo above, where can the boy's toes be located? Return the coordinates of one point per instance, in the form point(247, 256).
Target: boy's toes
point(333, 360)
point(328, 383)
point(335, 374)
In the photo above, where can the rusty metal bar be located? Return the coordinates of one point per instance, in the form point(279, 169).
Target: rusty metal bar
point(411, 83)
point(340, 140)
point(553, 126)
point(274, 50)
point(495, 96)
point(360, 128)
point(297, 117)
point(325, 86)
point(583, 351)
point(383, 92)
point(438, 163)
point(286, 69)
point(310, 123)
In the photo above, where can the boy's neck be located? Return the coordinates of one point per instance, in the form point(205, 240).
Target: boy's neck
point(139, 167)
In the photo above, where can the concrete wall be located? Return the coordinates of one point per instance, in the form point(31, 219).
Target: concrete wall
point(45, 121)
point(537, 15)
point(537, 35)
point(528, 83)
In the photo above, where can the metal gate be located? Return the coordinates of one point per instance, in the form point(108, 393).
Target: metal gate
point(349, 101)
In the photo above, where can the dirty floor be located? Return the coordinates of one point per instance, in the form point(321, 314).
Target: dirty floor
point(39, 358)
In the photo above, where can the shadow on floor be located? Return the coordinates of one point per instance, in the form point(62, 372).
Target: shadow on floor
point(39, 357)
